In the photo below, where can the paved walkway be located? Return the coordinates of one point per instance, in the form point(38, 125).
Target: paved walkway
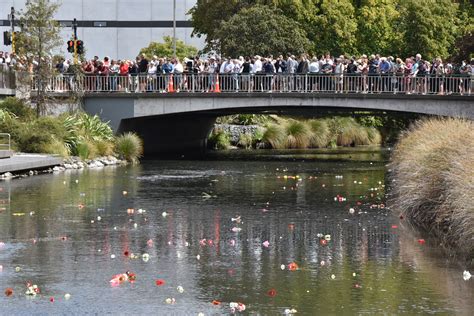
point(21, 162)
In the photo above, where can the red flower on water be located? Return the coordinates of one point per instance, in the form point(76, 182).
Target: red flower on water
point(160, 282)
point(9, 291)
point(421, 241)
point(323, 242)
point(126, 253)
point(293, 266)
point(216, 302)
point(272, 293)
point(51, 299)
point(394, 226)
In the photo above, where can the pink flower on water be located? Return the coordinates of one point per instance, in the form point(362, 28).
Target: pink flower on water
point(266, 243)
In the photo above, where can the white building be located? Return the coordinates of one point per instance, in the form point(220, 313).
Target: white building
point(115, 28)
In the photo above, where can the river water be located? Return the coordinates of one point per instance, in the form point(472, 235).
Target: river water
point(72, 232)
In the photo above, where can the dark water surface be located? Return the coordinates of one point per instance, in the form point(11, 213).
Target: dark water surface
point(373, 263)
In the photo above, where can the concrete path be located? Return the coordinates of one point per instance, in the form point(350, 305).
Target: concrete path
point(21, 162)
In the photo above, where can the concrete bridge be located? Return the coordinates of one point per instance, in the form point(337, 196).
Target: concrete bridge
point(181, 122)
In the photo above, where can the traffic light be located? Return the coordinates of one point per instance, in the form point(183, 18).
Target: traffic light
point(70, 46)
point(7, 38)
point(80, 47)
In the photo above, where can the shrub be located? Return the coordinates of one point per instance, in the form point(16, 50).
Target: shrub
point(320, 133)
point(275, 136)
point(219, 139)
point(56, 147)
point(104, 148)
point(17, 107)
point(86, 149)
point(129, 146)
point(245, 140)
point(433, 168)
point(298, 134)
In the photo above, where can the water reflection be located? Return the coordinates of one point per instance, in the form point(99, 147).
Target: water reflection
point(80, 219)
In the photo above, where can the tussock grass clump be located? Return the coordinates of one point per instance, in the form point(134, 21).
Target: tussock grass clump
point(275, 136)
point(298, 134)
point(433, 166)
point(219, 139)
point(245, 140)
point(104, 148)
point(129, 146)
point(320, 133)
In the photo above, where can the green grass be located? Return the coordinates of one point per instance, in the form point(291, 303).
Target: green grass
point(298, 134)
point(275, 136)
point(129, 146)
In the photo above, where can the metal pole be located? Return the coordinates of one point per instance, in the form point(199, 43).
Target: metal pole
point(174, 28)
point(13, 29)
point(74, 26)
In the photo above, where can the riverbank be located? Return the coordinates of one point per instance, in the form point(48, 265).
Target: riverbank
point(277, 132)
point(433, 173)
point(26, 165)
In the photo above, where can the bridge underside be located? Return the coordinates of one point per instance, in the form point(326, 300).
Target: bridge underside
point(180, 123)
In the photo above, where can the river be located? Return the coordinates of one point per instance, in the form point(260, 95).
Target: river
point(275, 231)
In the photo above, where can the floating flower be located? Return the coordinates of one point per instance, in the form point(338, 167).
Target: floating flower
point(130, 211)
point(164, 214)
point(421, 241)
point(394, 226)
point(272, 293)
point(9, 291)
point(333, 276)
point(124, 192)
point(67, 296)
point(198, 257)
point(51, 299)
point(145, 257)
point(466, 275)
point(236, 229)
point(323, 242)
point(216, 302)
point(351, 211)
point(282, 267)
point(180, 289)
point(266, 244)
point(170, 300)
point(32, 289)
point(149, 243)
point(236, 219)
point(126, 253)
point(17, 269)
point(290, 311)
point(160, 282)
point(293, 266)
point(327, 237)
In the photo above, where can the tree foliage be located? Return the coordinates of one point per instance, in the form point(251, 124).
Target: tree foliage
point(378, 27)
point(430, 27)
point(166, 49)
point(390, 27)
point(40, 37)
point(260, 30)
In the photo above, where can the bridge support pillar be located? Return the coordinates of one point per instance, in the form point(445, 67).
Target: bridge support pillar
point(180, 134)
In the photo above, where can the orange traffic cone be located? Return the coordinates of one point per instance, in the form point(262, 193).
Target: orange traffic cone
point(171, 85)
point(218, 87)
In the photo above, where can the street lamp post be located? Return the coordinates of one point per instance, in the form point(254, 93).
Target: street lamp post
point(174, 28)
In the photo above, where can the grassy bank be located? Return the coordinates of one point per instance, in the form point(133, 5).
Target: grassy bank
point(277, 132)
point(433, 169)
point(70, 134)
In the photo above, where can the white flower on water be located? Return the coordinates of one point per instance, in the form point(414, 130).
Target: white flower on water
point(466, 275)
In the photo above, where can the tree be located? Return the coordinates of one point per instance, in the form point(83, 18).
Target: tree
point(464, 46)
point(260, 30)
point(335, 27)
point(40, 37)
point(165, 49)
point(430, 27)
point(378, 27)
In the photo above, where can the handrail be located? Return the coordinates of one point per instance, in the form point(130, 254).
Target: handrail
point(265, 83)
point(2, 145)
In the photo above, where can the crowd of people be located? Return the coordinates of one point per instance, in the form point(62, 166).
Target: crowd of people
point(363, 74)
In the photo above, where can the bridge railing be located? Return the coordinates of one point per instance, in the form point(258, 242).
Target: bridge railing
point(265, 83)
